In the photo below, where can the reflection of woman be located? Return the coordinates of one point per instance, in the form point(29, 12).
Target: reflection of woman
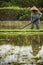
point(36, 14)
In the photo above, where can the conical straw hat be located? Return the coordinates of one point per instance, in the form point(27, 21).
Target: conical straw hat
point(34, 8)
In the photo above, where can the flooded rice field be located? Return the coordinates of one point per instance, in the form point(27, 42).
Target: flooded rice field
point(21, 49)
point(20, 55)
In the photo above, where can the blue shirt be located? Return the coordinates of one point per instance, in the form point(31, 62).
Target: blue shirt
point(37, 16)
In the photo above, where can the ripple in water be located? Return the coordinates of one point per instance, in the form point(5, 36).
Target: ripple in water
point(19, 54)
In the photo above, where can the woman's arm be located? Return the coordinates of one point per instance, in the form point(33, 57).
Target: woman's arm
point(40, 14)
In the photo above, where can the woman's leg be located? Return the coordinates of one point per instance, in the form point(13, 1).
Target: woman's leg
point(37, 25)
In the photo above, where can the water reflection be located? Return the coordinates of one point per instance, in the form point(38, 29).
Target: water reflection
point(24, 55)
point(36, 44)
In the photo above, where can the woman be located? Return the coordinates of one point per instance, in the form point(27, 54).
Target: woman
point(36, 14)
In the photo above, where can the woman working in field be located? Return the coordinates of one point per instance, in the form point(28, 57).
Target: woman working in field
point(35, 14)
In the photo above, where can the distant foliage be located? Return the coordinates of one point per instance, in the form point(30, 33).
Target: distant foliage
point(15, 13)
point(22, 3)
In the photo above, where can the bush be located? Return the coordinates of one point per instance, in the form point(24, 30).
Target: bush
point(23, 3)
point(15, 13)
point(3, 4)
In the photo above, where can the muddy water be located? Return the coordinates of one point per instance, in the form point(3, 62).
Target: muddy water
point(20, 55)
point(31, 54)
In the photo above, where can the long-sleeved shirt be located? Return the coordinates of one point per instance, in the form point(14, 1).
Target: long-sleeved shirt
point(37, 16)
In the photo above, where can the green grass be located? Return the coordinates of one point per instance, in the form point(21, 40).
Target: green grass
point(13, 8)
point(20, 31)
point(19, 37)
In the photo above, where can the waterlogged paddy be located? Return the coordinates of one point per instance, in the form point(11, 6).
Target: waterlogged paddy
point(20, 55)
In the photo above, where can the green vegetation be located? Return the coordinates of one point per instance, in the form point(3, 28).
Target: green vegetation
point(14, 8)
point(21, 3)
point(19, 37)
point(13, 32)
point(15, 13)
point(22, 30)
